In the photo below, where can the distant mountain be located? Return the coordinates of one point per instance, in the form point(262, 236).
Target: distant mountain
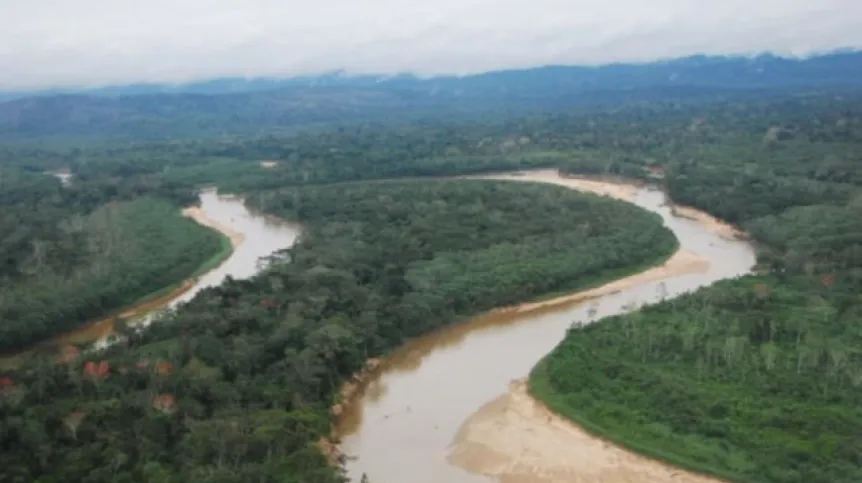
point(241, 105)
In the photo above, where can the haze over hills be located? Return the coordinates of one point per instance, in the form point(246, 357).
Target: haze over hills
point(242, 105)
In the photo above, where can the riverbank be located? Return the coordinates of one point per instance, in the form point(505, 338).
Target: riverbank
point(713, 224)
point(345, 410)
point(197, 213)
point(682, 262)
point(518, 439)
point(367, 423)
point(102, 328)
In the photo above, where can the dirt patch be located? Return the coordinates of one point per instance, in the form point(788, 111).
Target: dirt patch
point(518, 440)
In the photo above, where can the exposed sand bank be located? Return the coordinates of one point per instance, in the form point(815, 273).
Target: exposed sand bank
point(681, 263)
point(518, 440)
point(197, 214)
point(619, 190)
point(711, 223)
point(514, 437)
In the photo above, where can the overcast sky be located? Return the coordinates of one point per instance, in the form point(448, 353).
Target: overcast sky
point(96, 42)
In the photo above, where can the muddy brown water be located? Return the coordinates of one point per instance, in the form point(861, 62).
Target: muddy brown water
point(402, 425)
point(253, 235)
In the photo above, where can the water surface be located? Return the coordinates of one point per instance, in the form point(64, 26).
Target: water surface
point(401, 427)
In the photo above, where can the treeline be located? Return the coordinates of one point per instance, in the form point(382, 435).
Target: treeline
point(757, 379)
point(821, 128)
point(73, 254)
point(237, 385)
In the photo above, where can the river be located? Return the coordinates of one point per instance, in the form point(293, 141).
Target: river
point(253, 236)
point(403, 424)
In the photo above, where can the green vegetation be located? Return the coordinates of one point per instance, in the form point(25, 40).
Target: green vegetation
point(752, 379)
point(757, 379)
point(250, 369)
point(69, 257)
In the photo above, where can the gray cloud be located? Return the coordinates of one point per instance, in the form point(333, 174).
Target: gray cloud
point(96, 42)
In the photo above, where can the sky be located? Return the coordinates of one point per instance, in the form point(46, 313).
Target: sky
point(64, 43)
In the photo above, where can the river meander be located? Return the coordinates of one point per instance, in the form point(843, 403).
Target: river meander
point(402, 425)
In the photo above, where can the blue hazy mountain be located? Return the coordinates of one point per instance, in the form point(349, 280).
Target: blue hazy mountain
point(237, 104)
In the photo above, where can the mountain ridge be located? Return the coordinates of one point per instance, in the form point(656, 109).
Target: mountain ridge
point(229, 106)
point(228, 85)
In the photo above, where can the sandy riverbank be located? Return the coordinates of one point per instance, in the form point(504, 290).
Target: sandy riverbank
point(711, 223)
point(197, 214)
point(518, 440)
point(514, 437)
point(618, 190)
point(681, 263)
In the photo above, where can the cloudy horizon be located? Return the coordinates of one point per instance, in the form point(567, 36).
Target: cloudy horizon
point(90, 43)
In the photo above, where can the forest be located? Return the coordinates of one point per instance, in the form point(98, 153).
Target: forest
point(72, 254)
point(246, 106)
point(751, 379)
point(237, 385)
point(756, 379)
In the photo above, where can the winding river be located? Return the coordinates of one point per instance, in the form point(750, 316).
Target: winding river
point(253, 236)
point(444, 408)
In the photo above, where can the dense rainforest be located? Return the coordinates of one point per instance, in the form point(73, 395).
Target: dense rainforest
point(213, 108)
point(236, 386)
point(74, 253)
point(757, 379)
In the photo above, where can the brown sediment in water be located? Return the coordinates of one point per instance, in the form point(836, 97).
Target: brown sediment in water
point(104, 327)
point(347, 412)
point(711, 223)
point(623, 190)
point(197, 213)
point(606, 187)
point(683, 262)
point(410, 355)
point(507, 465)
point(517, 439)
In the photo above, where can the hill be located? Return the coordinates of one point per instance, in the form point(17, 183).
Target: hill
point(223, 106)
